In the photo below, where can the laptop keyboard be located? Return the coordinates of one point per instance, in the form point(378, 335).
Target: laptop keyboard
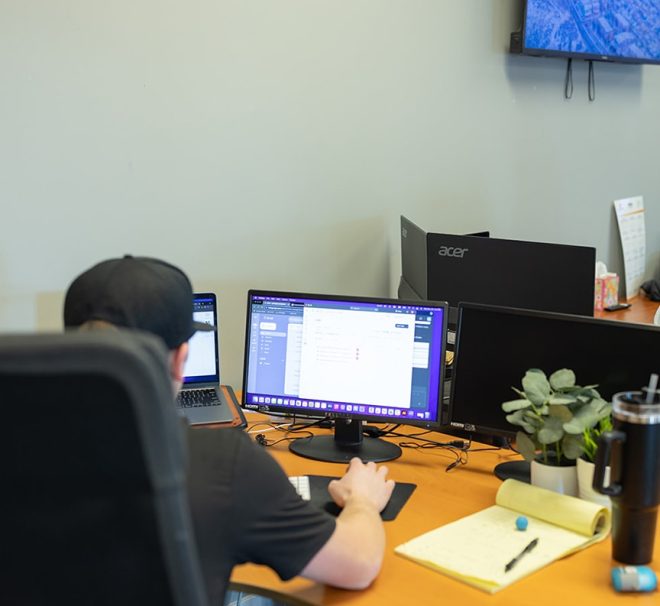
point(192, 398)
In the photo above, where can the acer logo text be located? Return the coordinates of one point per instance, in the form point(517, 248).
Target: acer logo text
point(452, 251)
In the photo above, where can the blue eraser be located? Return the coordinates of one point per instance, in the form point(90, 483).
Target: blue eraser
point(634, 578)
point(521, 523)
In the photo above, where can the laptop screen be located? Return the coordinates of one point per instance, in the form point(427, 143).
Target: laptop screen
point(202, 363)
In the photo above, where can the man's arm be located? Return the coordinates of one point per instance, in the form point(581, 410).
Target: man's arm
point(353, 555)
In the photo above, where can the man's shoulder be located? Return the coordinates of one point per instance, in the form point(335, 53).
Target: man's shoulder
point(227, 438)
point(227, 451)
point(220, 444)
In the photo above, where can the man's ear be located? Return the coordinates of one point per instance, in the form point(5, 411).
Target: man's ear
point(178, 357)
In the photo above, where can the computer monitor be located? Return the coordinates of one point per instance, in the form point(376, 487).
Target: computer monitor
point(350, 359)
point(477, 269)
point(495, 346)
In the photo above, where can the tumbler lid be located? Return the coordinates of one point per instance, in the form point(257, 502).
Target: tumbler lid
point(633, 407)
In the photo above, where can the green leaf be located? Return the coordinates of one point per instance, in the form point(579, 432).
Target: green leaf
point(561, 400)
point(536, 386)
point(563, 413)
point(603, 408)
point(515, 418)
point(589, 444)
point(574, 389)
point(525, 446)
point(512, 405)
point(533, 417)
point(584, 418)
point(605, 424)
point(563, 378)
point(551, 432)
point(528, 421)
point(585, 393)
point(572, 446)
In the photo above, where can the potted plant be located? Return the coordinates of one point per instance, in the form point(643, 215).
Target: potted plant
point(585, 464)
point(554, 414)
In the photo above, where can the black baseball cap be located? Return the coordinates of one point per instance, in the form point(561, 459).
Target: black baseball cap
point(135, 292)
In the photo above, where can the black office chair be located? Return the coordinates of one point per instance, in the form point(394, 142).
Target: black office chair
point(94, 507)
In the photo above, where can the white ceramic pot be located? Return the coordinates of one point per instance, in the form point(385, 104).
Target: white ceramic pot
point(585, 475)
point(557, 478)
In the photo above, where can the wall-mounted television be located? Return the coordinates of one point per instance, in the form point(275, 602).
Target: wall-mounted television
point(599, 30)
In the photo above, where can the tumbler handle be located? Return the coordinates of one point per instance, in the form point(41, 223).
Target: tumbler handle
point(603, 456)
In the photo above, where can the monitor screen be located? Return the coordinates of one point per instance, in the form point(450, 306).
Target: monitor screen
point(346, 358)
point(610, 30)
point(496, 346)
point(202, 363)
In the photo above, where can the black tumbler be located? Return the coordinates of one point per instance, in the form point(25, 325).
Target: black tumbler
point(632, 450)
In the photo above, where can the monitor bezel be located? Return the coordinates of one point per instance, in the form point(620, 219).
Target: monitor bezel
point(319, 414)
point(544, 52)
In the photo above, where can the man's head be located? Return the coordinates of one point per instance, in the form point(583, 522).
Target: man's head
point(136, 292)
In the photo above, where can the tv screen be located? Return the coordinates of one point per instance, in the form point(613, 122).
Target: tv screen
point(605, 30)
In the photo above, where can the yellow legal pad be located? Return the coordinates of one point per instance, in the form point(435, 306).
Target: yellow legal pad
point(475, 549)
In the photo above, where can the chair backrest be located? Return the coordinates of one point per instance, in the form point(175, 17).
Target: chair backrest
point(92, 464)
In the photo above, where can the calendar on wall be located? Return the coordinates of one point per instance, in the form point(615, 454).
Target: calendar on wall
point(630, 217)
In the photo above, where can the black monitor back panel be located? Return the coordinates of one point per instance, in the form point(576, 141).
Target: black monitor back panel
point(531, 275)
point(413, 258)
point(514, 273)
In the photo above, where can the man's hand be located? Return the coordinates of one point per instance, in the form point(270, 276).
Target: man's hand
point(363, 483)
point(354, 554)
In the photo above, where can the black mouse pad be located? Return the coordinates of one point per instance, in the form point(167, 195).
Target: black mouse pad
point(318, 489)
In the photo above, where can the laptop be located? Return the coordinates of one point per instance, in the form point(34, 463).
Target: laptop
point(201, 400)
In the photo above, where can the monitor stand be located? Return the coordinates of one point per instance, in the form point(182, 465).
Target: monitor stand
point(515, 470)
point(347, 442)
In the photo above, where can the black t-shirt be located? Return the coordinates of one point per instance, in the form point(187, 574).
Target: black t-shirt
point(244, 509)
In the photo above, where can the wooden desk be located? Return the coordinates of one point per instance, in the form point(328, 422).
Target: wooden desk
point(641, 311)
point(441, 497)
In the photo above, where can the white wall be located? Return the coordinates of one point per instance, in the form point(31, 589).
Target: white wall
point(274, 143)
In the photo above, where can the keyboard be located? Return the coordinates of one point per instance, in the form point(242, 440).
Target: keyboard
point(192, 398)
point(301, 484)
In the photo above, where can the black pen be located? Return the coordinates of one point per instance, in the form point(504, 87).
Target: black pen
point(519, 557)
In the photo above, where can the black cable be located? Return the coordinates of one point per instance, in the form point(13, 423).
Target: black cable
point(294, 427)
point(591, 82)
point(262, 440)
point(460, 455)
point(510, 446)
point(428, 443)
point(568, 82)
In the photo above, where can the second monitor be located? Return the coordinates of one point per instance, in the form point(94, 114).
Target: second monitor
point(495, 346)
point(513, 273)
point(346, 358)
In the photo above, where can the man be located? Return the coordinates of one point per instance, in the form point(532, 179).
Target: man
point(243, 506)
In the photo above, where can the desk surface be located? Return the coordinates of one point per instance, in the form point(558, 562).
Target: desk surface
point(641, 311)
point(441, 497)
